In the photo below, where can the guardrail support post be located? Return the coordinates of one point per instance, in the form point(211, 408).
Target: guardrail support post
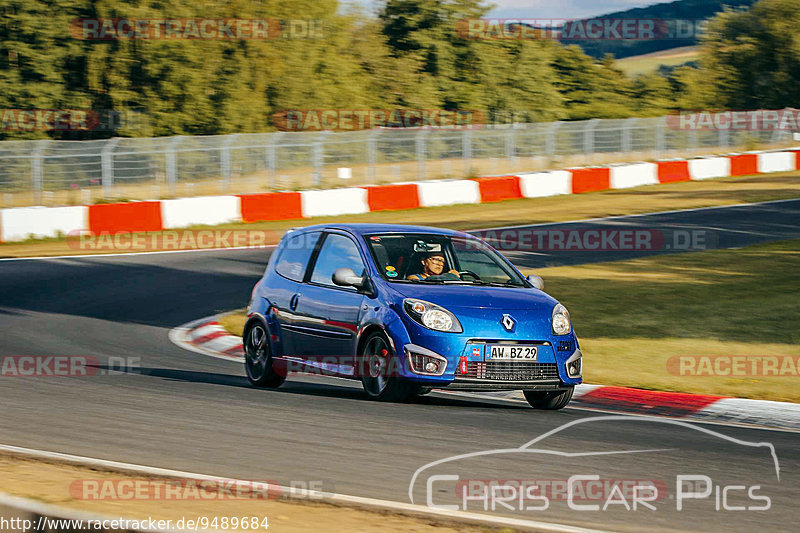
point(107, 165)
point(225, 160)
point(421, 153)
point(171, 162)
point(37, 170)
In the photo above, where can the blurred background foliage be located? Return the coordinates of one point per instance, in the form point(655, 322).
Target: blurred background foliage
point(407, 54)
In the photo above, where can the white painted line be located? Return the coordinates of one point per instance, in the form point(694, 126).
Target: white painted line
point(304, 494)
point(615, 217)
point(102, 256)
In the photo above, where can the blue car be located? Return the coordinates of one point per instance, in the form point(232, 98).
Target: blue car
point(408, 309)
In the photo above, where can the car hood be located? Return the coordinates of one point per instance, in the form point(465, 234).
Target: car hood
point(476, 297)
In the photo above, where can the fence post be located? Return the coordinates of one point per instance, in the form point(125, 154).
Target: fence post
point(724, 138)
point(372, 155)
point(510, 143)
point(421, 153)
point(272, 158)
point(627, 137)
point(37, 170)
point(588, 136)
point(550, 141)
point(107, 165)
point(318, 157)
point(171, 162)
point(661, 139)
point(225, 159)
point(466, 150)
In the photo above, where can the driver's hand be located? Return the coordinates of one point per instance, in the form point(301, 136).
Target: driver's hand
point(453, 271)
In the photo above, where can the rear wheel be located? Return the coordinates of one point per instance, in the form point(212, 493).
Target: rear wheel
point(258, 357)
point(378, 369)
point(549, 400)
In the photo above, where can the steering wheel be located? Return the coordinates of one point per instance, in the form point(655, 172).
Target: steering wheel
point(469, 273)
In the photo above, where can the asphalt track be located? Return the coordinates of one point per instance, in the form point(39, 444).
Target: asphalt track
point(184, 411)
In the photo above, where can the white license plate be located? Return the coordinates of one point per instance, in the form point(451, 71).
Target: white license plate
point(511, 353)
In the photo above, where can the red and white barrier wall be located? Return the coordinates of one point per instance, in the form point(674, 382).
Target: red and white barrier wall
point(17, 224)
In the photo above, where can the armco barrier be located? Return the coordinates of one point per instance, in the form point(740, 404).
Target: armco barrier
point(351, 201)
point(744, 164)
point(390, 197)
point(633, 175)
point(271, 206)
point(20, 223)
point(539, 184)
point(133, 216)
point(448, 192)
point(499, 188)
point(777, 162)
point(673, 171)
point(210, 210)
point(590, 179)
point(709, 167)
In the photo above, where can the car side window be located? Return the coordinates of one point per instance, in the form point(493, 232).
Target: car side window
point(337, 252)
point(294, 255)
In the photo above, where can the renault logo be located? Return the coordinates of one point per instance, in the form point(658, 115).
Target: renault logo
point(508, 322)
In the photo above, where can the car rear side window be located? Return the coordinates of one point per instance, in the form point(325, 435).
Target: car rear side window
point(337, 252)
point(295, 253)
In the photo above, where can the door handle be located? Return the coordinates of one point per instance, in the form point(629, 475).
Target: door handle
point(294, 300)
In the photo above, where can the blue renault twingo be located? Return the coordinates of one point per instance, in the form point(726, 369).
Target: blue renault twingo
point(406, 309)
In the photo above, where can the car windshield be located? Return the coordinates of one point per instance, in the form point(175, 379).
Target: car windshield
point(440, 259)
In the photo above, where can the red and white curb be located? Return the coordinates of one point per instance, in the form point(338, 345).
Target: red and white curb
point(20, 223)
point(208, 337)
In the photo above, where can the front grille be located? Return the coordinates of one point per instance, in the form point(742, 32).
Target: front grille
point(510, 371)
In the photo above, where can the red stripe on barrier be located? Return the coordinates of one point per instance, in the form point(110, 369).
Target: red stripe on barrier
point(590, 179)
point(271, 206)
point(672, 171)
point(645, 401)
point(796, 159)
point(133, 216)
point(390, 197)
point(742, 165)
point(499, 188)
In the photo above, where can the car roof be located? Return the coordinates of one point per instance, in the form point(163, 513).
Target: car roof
point(363, 229)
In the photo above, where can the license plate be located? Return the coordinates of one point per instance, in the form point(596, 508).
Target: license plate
point(511, 353)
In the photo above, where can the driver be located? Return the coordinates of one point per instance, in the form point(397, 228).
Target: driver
point(433, 265)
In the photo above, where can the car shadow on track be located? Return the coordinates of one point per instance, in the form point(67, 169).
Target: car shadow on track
point(301, 388)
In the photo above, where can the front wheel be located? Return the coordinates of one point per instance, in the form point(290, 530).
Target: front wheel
point(378, 368)
point(549, 400)
point(258, 358)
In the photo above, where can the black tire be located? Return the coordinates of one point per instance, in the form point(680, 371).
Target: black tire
point(258, 357)
point(420, 391)
point(377, 368)
point(549, 400)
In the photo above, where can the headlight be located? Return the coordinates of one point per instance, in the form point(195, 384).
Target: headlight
point(431, 316)
point(561, 323)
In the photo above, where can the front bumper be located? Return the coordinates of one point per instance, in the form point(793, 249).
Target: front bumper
point(552, 371)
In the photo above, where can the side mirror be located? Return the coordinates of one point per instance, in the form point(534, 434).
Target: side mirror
point(345, 277)
point(536, 281)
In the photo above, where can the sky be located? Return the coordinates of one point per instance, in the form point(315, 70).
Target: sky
point(562, 8)
point(544, 9)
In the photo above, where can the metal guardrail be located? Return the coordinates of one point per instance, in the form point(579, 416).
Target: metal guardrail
point(261, 162)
